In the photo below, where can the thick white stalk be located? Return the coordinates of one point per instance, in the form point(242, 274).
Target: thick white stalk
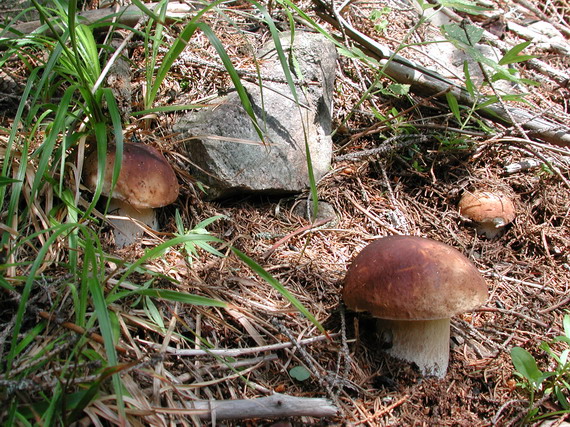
point(123, 217)
point(423, 342)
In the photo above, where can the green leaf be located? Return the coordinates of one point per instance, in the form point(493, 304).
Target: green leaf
point(7, 181)
point(466, 34)
point(526, 365)
point(153, 312)
point(160, 249)
point(512, 56)
point(466, 6)
point(180, 297)
point(468, 82)
point(399, 89)
point(300, 373)
point(562, 400)
point(453, 106)
point(562, 339)
point(5, 285)
point(494, 99)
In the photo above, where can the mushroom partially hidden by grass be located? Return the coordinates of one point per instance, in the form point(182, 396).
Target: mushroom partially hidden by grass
point(146, 181)
point(413, 286)
point(490, 211)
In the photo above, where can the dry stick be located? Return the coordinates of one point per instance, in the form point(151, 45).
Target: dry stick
point(513, 313)
point(316, 224)
point(497, 416)
point(274, 406)
point(384, 411)
point(309, 360)
point(386, 147)
point(543, 16)
point(366, 212)
point(382, 124)
point(344, 350)
point(555, 306)
point(45, 357)
point(522, 414)
point(524, 282)
point(231, 352)
point(79, 330)
point(427, 82)
point(559, 77)
point(547, 162)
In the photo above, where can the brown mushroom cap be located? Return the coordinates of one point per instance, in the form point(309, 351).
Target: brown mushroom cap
point(412, 278)
point(487, 207)
point(146, 179)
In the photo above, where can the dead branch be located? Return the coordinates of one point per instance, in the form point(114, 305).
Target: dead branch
point(126, 15)
point(237, 351)
point(424, 81)
point(274, 406)
point(316, 224)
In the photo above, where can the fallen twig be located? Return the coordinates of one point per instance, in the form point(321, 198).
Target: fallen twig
point(316, 224)
point(236, 352)
point(274, 406)
point(513, 313)
point(384, 411)
point(389, 145)
point(78, 329)
point(428, 82)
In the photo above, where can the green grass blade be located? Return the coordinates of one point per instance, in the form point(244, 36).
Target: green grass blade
point(453, 106)
point(168, 109)
point(176, 49)
point(28, 285)
point(260, 271)
point(242, 93)
point(50, 142)
point(90, 277)
point(31, 84)
point(169, 59)
point(177, 296)
point(152, 44)
point(279, 49)
point(291, 83)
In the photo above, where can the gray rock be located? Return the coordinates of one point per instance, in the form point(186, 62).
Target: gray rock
point(304, 209)
point(23, 9)
point(230, 157)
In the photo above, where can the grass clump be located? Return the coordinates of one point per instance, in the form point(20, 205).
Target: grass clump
point(67, 296)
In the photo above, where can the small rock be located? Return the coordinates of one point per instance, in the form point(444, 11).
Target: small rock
point(226, 147)
point(325, 211)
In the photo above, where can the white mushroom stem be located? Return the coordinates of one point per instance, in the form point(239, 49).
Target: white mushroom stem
point(423, 342)
point(491, 229)
point(126, 221)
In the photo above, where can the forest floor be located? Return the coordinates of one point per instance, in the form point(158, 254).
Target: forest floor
point(412, 190)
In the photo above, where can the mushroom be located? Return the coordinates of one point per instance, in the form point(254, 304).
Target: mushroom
point(146, 181)
point(413, 286)
point(490, 211)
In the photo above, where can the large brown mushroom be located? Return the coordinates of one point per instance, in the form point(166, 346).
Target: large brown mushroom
point(413, 286)
point(146, 181)
point(490, 211)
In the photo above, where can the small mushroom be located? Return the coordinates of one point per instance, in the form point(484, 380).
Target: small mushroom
point(490, 211)
point(413, 286)
point(146, 181)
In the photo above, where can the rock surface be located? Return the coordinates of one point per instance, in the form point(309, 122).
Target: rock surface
point(226, 147)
